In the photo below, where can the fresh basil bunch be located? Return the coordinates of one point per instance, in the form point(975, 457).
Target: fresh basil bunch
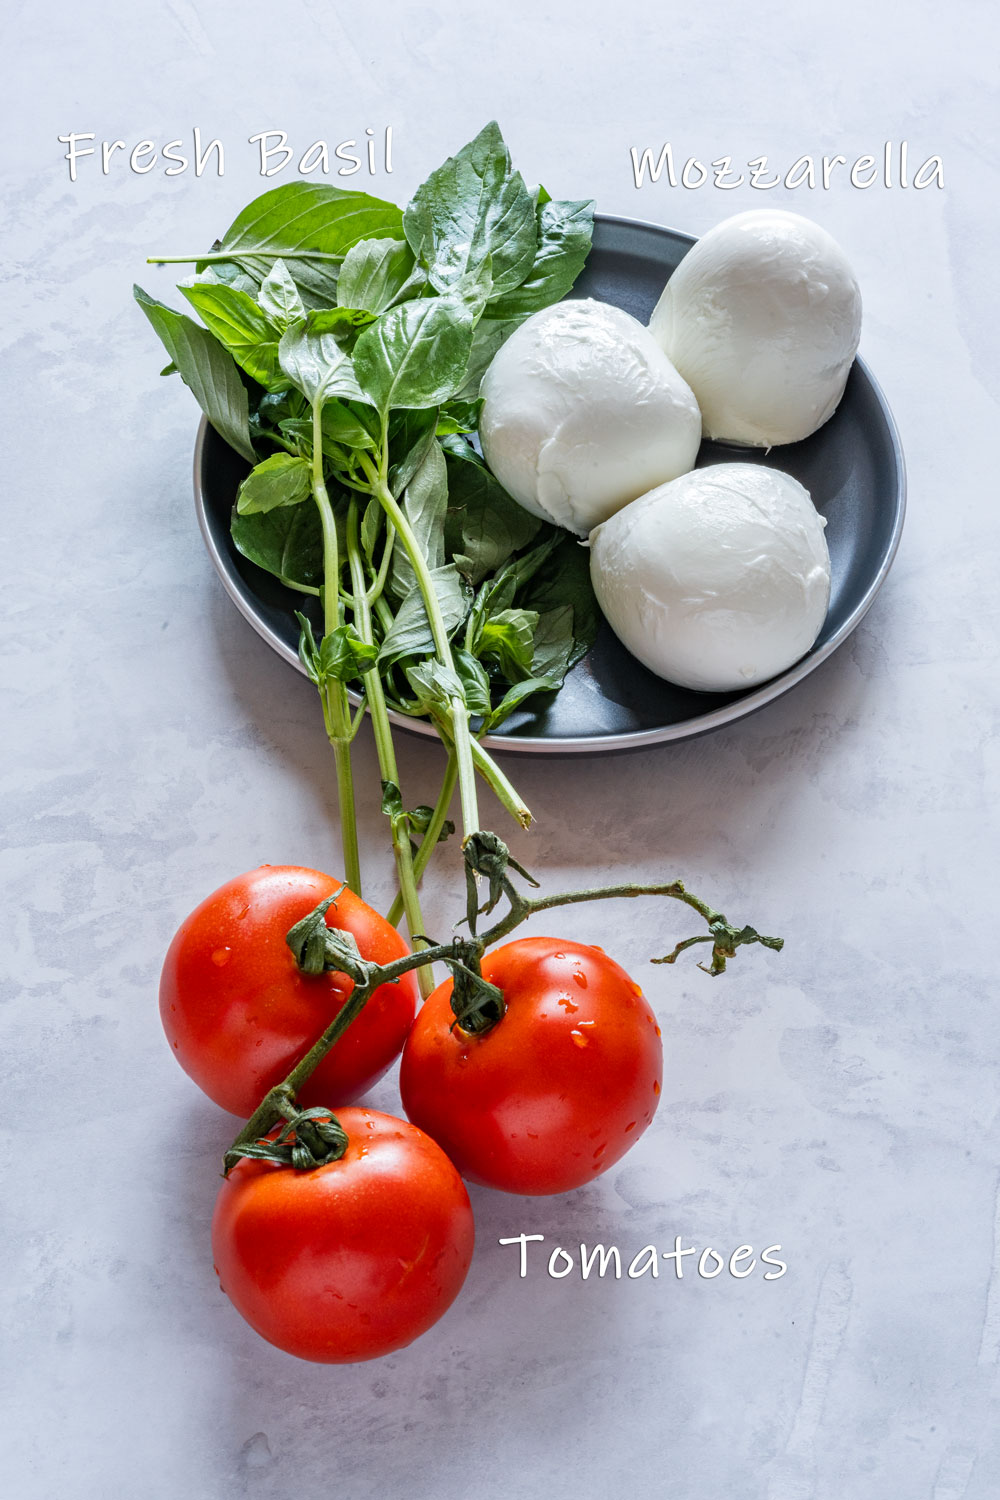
point(343, 346)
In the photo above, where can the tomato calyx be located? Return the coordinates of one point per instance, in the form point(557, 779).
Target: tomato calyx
point(725, 939)
point(477, 1004)
point(320, 949)
point(308, 1139)
point(487, 857)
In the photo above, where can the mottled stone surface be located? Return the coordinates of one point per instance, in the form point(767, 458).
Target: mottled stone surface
point(839, 1099)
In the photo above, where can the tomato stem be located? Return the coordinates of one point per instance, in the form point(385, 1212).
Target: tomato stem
point(275, 1104)
point(319, 948)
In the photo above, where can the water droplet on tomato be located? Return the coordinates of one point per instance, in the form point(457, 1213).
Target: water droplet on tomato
point(656, 1087)
point(658, 1031)
point(579, 1038)
point(221, 957)
point(629, 1126)
point(567, 1004)
point(581, 979)
point(558, 955)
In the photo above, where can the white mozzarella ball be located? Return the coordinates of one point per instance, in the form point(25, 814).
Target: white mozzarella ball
point(718, 580)
point(762, 318)
point(582, 412)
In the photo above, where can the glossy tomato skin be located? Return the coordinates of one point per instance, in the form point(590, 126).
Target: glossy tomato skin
point(352, 1260)
point(558, 1090)
point(238, 1013)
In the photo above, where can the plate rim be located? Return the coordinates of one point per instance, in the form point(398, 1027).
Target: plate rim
point(632, 739)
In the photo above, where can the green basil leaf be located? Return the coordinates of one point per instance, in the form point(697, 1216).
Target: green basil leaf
point(318, 364)
point(343, 434)
point(425, 503)
point(240, 325)
point(486, 340)
point(410, 435)
point(509, 637)
point(206, 369)
point(280, 298)
point(345, 322)
point(392, 800)
point(456, 446)
point(279, 480)
point(420, 818)
point(564, 578)
point(378, 273)
point(229, 273)
point(308, 650)
point(434, 686)
point(473, 206)
point(485, 526)
point(458, 416)
point(475, 682)
point(515, 696)
point(287, 542)
point(343, 655)
point(553, 644)
point(371, 527)
point(565, 231)
point(416, 354)
point(310, 226)
point(410, 633)
point(343, 426)
point(275, 407)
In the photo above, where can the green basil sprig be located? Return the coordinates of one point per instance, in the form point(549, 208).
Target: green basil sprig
point(342, 351)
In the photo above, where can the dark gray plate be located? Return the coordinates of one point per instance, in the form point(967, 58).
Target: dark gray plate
point(852, 467)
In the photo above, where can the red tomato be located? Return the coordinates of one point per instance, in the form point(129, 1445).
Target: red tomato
point(352, 1260)
point(558, 1090)
point(237, 1011)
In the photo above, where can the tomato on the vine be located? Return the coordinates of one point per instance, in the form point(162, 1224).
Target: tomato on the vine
point(239, 1013)
point(350, 1260)
point(553, 1094)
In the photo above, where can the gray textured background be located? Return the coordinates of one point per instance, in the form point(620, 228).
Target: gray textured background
point(840, 1098)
